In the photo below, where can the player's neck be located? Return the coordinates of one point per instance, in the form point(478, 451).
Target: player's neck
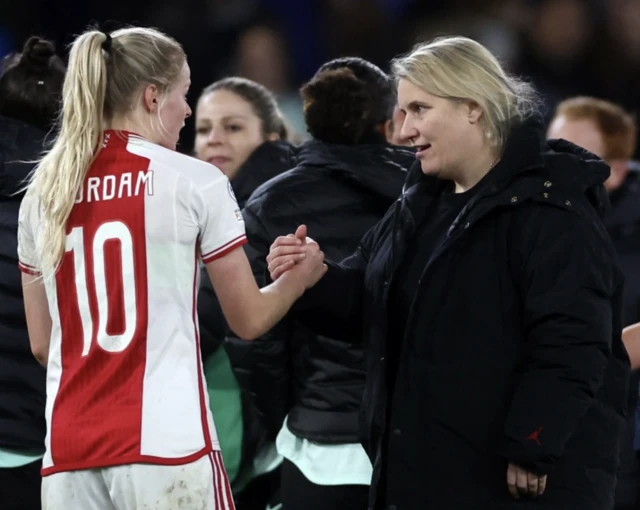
point(127, 124)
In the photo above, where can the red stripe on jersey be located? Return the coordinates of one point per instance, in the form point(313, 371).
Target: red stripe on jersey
point(227, 485)
point(219, 483)
point(96, 419)
point(222, 486)
point(217, 502)
point(28, 269)
point(224, 249)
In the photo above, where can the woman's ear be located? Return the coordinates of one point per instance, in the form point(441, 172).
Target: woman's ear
point(273, 137)
point(474, 112)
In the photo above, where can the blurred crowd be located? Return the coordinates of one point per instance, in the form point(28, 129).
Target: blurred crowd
point(566, 47)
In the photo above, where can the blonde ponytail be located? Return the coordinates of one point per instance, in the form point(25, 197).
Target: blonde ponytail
point(59, 175)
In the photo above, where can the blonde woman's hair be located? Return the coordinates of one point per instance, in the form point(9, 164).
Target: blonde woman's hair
point(459, 68)
point(101, 82)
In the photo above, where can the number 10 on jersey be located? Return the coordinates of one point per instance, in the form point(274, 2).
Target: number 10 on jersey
point(113, 230)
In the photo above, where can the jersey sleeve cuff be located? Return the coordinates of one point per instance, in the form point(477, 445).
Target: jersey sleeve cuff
point(224, 249)
point(27, 269)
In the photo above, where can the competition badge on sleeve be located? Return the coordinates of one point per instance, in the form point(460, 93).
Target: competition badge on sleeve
point(237, 211)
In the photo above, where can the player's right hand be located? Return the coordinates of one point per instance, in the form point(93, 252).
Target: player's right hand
point(312, 267)
point(286, 251)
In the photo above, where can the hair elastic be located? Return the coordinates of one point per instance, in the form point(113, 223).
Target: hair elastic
point(106, 44)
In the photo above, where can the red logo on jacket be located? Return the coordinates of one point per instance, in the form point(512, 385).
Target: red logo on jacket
point(535, 436)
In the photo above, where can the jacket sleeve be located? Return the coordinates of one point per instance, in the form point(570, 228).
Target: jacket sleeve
point(567, 279)
point(333, 307)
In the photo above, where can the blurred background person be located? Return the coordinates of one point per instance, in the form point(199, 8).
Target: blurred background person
point(558, 47)
point(240, 129)
point(344, 180)
point(567, 47)
point(616, 68)
point(262, 56)
point(30, 92)
point(608, 131)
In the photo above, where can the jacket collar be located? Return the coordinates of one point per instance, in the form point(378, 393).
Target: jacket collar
point(530, 166)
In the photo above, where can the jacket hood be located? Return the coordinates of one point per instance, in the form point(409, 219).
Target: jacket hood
point(381, 168)
point(580, 171)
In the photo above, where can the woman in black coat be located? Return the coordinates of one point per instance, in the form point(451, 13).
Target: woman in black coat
point(489, 299)
point(30, 91)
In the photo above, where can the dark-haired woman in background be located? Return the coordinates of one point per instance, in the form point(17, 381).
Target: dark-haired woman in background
point(30, 90)
point(344, 180)
point(239, 129)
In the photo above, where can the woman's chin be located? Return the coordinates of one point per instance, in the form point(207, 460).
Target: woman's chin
point(428, 169)
point(231, 171)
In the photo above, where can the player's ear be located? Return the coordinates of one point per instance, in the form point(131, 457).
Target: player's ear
point(150, 98)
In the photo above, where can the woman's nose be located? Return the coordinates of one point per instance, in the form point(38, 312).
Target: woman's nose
point(215, 136)
point(408, 130)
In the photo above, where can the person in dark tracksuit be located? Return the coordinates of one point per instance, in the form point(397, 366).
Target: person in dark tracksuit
point(343, 181)
point(30, 91)
point(608, 131)
point(489, 299)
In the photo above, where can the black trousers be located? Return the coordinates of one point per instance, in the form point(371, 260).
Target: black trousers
point(20, 487)
point(262, 491)
point(298, 493)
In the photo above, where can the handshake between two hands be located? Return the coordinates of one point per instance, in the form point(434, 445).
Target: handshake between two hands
point(299, 254)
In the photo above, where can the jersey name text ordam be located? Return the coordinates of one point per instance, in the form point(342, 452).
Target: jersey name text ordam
point(109, 187)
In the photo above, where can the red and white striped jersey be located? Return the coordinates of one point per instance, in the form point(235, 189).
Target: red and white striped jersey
point(124, 378)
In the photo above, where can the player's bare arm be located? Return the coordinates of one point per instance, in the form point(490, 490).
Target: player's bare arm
point(38, 318)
